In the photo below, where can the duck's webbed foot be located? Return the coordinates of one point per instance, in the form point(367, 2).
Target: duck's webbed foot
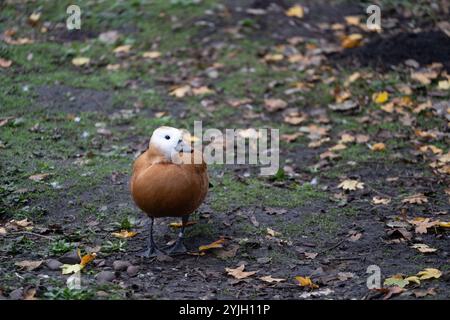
point(152, 249)
point(178, 247)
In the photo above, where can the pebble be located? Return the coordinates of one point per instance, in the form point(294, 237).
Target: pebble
point(121, 265)
point(132, 270)
point(53, 264)
point(70, 258)
point(105, 277)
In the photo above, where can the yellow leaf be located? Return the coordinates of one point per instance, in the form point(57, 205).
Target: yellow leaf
point(87, 258)
point(34, 18)
point(204, 90)
point(80, 61)
point(273, 105)
point(181, 91)
point(421, 247)
point(214, 245)
point(70, 268)
point(273, 57)
point(122, 49)
point(378, 147)
point(123, 234)
point(414, 279)
point(239, 272)
point(306, 282)
point(353, 20)
point(380, 97)
point(296, 11)
point(429, 273)
point(444, 85)
point(351, 185)
point(352, 41)
point(444, 224)
point(177, 225)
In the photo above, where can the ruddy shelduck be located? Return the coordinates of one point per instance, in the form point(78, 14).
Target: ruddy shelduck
point(166, 182)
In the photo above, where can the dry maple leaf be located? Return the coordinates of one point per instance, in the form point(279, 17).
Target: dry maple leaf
point(269, 279)
point(177, 225)
point(123, 234)
point(214, 245)
point(290, 137)
point(273, 233)
point(122, 49)
point(423, 224)
point(239, 272)
point(351, 185)
point(418, 198)
point(204, 90)
point(306, 282)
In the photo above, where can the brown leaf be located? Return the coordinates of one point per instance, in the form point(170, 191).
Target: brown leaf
point(418, 198)
point(350, 184)
point(306, 282)
point(239, 272)
point(4, 63)
point(123, 234)
point(29, 265)
point(273, 105)
point(39, 177)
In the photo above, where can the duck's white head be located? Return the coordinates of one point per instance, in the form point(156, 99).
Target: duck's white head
point(169, 141)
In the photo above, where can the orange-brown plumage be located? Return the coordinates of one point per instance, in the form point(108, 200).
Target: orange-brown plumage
point(161, 188)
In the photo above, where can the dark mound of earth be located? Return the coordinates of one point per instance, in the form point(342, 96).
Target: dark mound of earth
point(424, 47)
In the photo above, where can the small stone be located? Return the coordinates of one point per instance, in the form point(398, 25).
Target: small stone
point(120, 265)
point(53, 264)
point(105, 277)
point(16, 294)
point(132, 271)
point(70, 258)
point(164, 258)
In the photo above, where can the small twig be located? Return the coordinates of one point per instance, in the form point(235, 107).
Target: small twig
point(335, 246)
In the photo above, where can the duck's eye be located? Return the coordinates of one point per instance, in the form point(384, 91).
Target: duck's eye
point(167, 137)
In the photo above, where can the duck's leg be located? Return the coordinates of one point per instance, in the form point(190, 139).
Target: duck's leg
point(178, 247)
point(152, 249)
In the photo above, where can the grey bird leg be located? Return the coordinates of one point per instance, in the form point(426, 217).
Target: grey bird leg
point(178, 247)
point(152, 249)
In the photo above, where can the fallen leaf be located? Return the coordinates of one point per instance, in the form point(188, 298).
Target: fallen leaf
point(70, 268)
point(87, 258)
point(390, 291)
point(351, 185)
point(396, 280)
point(306, 282)
point(122, 49)
point(311, 255)
point(420, 293)
point(273, 57)
point(269, 279)
point(379, 200)
point(418, 198)
point(4, 63)
point(378, 147)
point(123, 234)
point(239, 272)
point(380, 97)
point(80, 61)
point(151, 54)
point(343, 106)
point(181, 91)
point(272, 232)
point(351, 41)
point(424, 77)
point(421, 247)
point(204, 90)
point(296, 11)
point(39, 177)
point(444, 85)
point(273, 105)
point(215, 245)
point(3, 231)
point(177, 225)
point(28, 265)
point(34, 18)
point(343, 276)
point(291, 137)
point(429, 273)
